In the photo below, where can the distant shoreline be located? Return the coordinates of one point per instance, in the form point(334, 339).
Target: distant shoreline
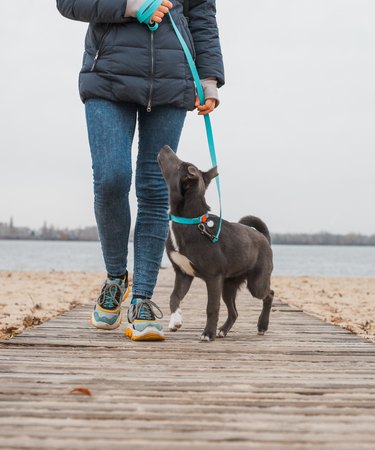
point(275, 241)
point(48, 232)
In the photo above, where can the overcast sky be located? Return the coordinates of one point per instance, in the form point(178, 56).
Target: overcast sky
point(294, 132)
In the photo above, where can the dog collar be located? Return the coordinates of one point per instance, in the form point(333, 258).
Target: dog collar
point(189, 220)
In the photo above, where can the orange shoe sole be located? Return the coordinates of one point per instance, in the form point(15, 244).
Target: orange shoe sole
point(126, 294)
point(146, 337)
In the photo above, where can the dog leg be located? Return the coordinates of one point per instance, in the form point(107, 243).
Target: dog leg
point(229, 296)
point(182, 284)
point(265, 314)
point(259, 284)
point(214, 289)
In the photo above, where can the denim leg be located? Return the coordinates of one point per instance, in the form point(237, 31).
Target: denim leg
point(160, 127)
point(110, 128)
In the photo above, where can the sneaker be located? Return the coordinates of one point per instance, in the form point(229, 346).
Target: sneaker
point(107, 310)
point(142, 324)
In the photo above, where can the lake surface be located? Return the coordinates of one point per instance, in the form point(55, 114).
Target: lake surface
point(86, 257)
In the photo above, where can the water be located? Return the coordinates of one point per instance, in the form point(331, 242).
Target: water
point(86, 256)
point(330, 261)
point(66, 256)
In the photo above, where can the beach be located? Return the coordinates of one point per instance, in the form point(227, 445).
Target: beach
point(31, 298)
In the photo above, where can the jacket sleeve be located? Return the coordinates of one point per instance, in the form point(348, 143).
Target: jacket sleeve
point(97, 11)
point(203, 27)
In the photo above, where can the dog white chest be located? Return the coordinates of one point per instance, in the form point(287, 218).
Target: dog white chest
point(182, 261)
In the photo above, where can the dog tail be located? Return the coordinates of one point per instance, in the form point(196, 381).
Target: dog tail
point(258, 224)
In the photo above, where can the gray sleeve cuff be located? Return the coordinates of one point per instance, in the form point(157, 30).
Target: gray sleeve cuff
point(132, 7)
point(210, 89)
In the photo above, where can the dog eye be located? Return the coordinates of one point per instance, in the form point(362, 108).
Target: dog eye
point(184, 184)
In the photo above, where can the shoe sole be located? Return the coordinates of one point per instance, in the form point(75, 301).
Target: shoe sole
point(106, 326)
point(148, 336)
point(103, 325)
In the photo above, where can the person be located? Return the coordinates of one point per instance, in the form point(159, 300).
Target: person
point(130, 72)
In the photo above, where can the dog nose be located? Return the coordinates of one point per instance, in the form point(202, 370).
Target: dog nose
point(167, 154)
point(165, 150)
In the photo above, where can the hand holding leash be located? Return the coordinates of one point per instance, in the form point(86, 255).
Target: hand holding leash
point(152, 12)
point(207, 107)
point(161, 11)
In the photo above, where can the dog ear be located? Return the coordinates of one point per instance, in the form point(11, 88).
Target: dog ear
point(193, 172)
point(210, 175)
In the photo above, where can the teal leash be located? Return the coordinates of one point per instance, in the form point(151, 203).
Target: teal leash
point(207, 120)
point(144, 15)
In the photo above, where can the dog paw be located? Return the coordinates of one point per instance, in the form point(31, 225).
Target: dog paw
point(207, 336)
point(261, 332)
point(221, 334)
point(175, 322)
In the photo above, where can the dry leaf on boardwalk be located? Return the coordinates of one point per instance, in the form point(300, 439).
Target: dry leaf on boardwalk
point(81, 390)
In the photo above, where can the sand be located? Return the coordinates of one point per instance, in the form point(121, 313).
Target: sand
point(30, 298)
point(347, 302)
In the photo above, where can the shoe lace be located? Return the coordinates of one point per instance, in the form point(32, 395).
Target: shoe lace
point(143, 310)
point(110, 295)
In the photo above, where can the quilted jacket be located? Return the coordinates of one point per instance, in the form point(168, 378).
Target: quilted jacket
point(124, 61)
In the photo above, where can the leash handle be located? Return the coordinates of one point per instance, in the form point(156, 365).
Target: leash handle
point(146, 11)
point(207, 120)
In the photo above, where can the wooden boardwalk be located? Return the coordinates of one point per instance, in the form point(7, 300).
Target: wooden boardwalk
point(305, 385)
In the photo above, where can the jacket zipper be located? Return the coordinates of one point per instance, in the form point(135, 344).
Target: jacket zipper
point(97, 54)
point(152, 72)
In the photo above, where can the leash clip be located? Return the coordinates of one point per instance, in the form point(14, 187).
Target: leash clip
point(204, 232)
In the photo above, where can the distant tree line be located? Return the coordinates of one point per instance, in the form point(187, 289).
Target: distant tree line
point(322, 238)
point(49, 232)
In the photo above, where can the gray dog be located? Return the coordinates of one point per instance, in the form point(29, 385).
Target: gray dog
point(242, 253)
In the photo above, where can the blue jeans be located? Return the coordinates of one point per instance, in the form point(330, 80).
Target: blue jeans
point(111, 128)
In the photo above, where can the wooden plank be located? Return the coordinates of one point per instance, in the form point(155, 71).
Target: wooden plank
point(305, 385)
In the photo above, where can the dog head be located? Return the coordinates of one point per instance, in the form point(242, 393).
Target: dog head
point(184, 180)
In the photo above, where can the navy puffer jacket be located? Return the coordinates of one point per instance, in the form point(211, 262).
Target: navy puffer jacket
point(124, 61)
